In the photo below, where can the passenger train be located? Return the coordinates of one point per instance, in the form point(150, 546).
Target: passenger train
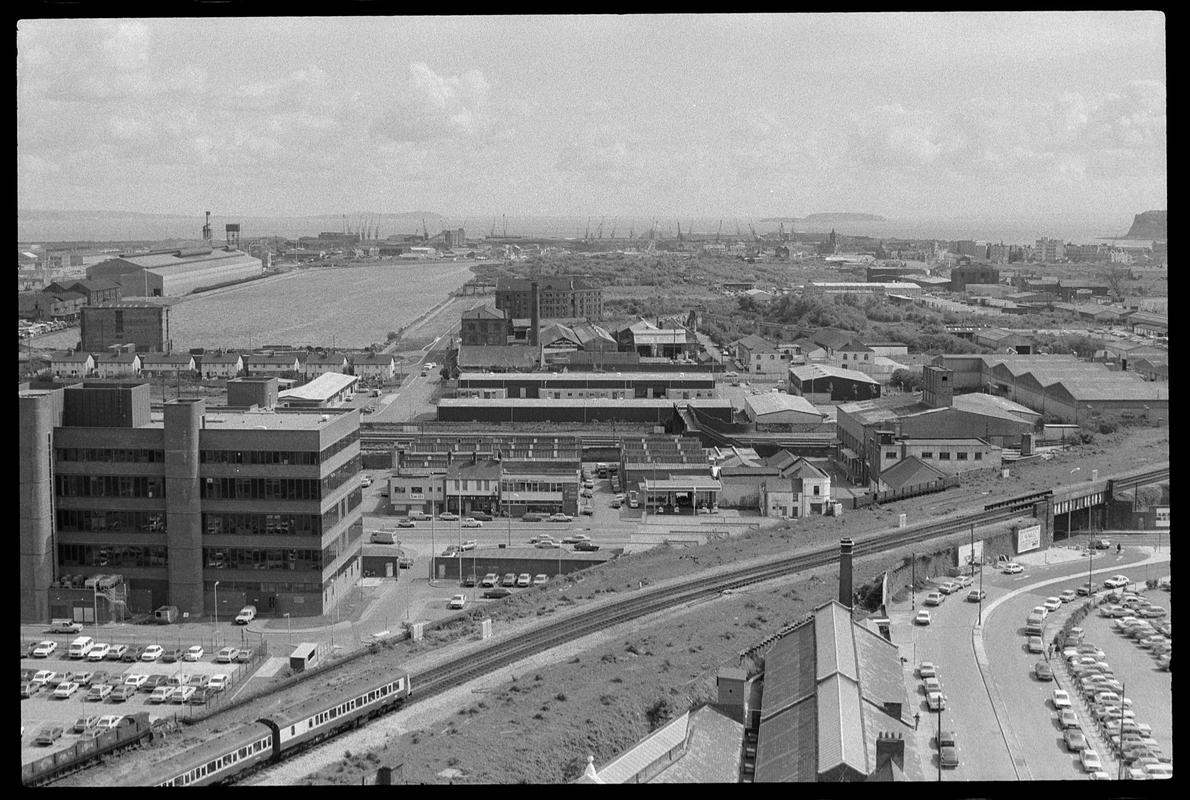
point(269, 739)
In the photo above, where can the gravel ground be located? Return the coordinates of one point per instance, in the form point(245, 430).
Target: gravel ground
point(524, 730)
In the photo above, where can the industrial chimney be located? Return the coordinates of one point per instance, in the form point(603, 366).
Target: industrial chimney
point(534, 313)
point(845, 588)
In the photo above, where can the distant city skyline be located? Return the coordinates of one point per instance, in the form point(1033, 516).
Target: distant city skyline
point(915, 116)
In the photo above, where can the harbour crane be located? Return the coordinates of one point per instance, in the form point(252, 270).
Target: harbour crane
point(718, 231)
point(425, 232)
point(755, 238)
point(587, 235)
point(600, 234)
point(632, 230)
point(680, 231)
point(613, 235)
point(492, 235)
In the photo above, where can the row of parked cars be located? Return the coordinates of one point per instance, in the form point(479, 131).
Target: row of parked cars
point(1101, 695)
point(84, 648)
point(1144, 623)
point(948, 753)
point(87, 727)
point(101, 686)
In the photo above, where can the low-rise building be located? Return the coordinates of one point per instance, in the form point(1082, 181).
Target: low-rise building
point(378, 368)
point(485, 325)
point(328, 390)
point(802, 489)
point(820, 383)
point(220, 366)
point(278, 365)
point(316, 364)
point(117, 365)
point(778, 409)
point(172, 365)
point(72, 364)
point(473, 486)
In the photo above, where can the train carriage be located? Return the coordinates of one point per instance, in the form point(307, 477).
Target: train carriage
point(220, 759)
point(298, 725)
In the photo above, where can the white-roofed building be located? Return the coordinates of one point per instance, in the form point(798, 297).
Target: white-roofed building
point(326, 391)
point(175, 272)
point(778, 408)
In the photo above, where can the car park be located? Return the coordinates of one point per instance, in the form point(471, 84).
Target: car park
point(922, 618)
point(523, 580)
point(496, 592)
point(975, 595)
point(194, 653)
point(934, 599)
point(559, 517)
point(1013, 568)
point(227, 655)
point(44, 649)
point(1043, 671)
point(1052, 603)
point(926, 669)
point(447, 516)
point(99, 692)
point(471, 522)
point(48, 735)
point(152, 652)
point(1035, 645)
point(161, 694)
point(65, 689)
point(458, 601)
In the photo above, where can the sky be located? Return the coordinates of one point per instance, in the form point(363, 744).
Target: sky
point(911, 116)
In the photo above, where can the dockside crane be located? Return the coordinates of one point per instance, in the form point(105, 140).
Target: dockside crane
point(613, 234)
point(755, 238)
point(425, 232)
point(587, 235)
point(600, 234)
point(680, 239)
point(718, 231)
point(492, 235)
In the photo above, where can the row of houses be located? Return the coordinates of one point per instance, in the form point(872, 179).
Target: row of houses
point(122, 362)
point(827, 346)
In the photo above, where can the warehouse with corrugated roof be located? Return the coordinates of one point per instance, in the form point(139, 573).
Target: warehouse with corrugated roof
point(174, 272)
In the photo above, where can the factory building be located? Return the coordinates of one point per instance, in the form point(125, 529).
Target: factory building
point(176, 272)
point(145, 325)
point(266, 504)
point(570, 385)
point(819, 383)
point(558, 298)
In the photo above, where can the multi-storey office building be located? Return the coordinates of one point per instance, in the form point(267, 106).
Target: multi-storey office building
point(265, 504)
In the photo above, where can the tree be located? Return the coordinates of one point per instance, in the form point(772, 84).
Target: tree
point(909, 380)
point(1115, 277)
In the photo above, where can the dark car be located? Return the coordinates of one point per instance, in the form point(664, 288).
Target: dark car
point(121, 693)
point(470, 580)
point(152, 682)
point(201, 695)
point(949, 757)
point(588, 547)
point(171, 655)
point(1075, 740)
point(482, 516)
point(533, 517)
point(1043, 671)
point(244, 656)
point(496, 592)
point(132, 656)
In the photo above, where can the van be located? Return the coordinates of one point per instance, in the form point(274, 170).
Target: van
point(81, 646)
point(383, 537)
point(246, 615)
point(65, 626)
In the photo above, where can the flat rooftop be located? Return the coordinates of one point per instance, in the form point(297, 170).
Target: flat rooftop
point(259, 420)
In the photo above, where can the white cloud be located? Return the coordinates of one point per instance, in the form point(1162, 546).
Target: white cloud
point(429, 106)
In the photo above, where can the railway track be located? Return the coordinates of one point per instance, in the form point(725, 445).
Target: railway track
point(456, 672)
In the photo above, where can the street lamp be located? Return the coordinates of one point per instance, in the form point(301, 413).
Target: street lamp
point(288, 628)
point(215, 632)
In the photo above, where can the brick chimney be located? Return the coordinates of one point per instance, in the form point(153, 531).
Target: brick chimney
point(845, 579)
point(890, 747)
point(937, 389)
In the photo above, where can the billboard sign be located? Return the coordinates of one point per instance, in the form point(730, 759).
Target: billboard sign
point(1028, 538)
point(968, 551)
point(1161, 516)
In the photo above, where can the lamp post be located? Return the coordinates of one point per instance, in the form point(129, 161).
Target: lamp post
point(939, 741)
point(215, 631)
point(288, 628)
point(336, 614)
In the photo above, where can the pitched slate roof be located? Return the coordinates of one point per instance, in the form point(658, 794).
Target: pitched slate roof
point(911, 471)
point(484, 311)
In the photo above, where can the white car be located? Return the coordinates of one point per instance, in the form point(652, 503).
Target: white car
point(44, 649)
point(559, 517)
point(934, 599)
point(1116, 582)
point(932, 685)
point(1052, 603)
point(936, 701)
point(162, 694)
point(472, 522)
point(44, 677)
point(152, 653)
point(99, 651)
point(523, 579)
point(182, 694)
point(470, 544)
point(926, 669)
point(1068, 596)
point(1013, 568)
point(447, 516)
point(541, 579)
point(1090, 761)
point(218, 682)
point(136, 681)
point(227, 655)
point(193, 654)
point(108, 722)
point(922, 618)
point(458, 601)
point(1061, 698)
point(66, 689)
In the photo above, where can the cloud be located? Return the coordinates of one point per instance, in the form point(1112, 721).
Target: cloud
point(429, 106)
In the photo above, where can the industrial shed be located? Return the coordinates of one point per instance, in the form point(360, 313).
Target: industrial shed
point(170, 273)
point(777, 408)
point(819, 383)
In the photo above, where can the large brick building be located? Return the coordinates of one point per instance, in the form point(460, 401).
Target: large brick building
point(560, 298)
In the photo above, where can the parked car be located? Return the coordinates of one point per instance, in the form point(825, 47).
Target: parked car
point(949, 587)
point(482, 516)
point(121, 693)
point(152, 652)
point(547, 543)
point(49, 734)
point(1061, 698)
point(586, 547)
point(936, 701)
point(65, 689)
point(1013, 568)
point(99, 692)
point(218, 682)
point(560, 517)
point(227, 655)
point(200, 696)
point(65, 626)
point(523, 579)
point(244, 655)
point(470, 544)
point(182, 694)
point(975, 595)
point(471, 522)
point(116, 652)
point(922, 618)
point(540, 579)
point(135, 681)
point(470, 580)
point(948, 756)
point(246, 615)
point(1068, 596)
point(447, 516)
point(1090, 760)
point(1085, 589)
point(84, 723)
point(194, 653)
point(509, 579)
point(46, 677)
point(1116, 582)
point(420, 516)
point(44, 649)
point(1036, 645)
point(200, 681)
point(496, 592)
point(532, 517)
point(171, 655)
point(153, 682)
point(30, 688)
point(489, 580)
point(1043, 671)
point(934, 599)
point(1067, 718)
point(108, 722)
point(931, 684)
point(161, 694)
point(99, 651)
point(406, 523)
point(1076, 740)
point(1052, 603)
point(926, 669)
point(458, 601)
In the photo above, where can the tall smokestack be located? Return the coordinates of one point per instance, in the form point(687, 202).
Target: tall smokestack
point(534, 313)
point(845, 590)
